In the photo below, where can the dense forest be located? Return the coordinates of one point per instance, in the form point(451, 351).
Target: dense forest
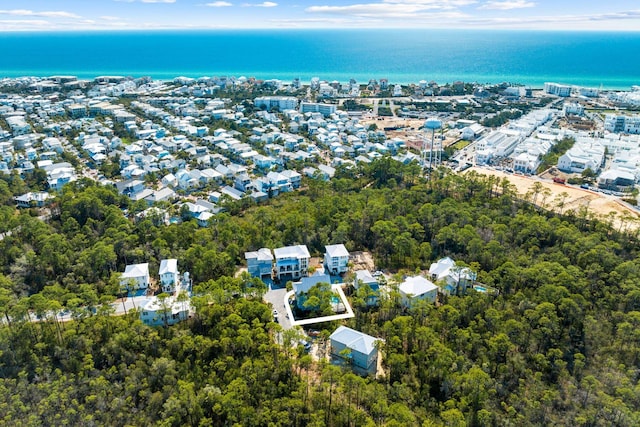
point(559, 345)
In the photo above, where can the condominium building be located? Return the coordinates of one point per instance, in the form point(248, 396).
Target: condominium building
point(318, 107)
point(621, 123)
point(280, 102)
point(557, 89)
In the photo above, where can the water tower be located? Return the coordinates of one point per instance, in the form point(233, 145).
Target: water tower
point(435, 155)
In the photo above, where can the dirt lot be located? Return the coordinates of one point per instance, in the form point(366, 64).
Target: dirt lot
point(408, 129)
point(600, 204)
point(362, 261)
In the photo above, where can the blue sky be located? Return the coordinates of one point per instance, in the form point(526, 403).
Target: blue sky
point(40, 15)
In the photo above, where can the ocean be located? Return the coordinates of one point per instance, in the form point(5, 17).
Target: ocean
point(594, 59)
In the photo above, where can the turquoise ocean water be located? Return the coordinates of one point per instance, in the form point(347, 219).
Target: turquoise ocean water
point(608, 59)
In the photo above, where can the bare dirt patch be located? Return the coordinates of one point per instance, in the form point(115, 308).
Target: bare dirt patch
point(601, 205)
point(362, 261)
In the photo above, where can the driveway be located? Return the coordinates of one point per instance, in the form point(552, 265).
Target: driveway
point(276, 298)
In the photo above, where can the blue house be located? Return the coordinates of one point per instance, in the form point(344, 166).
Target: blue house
point(302, 287)
point(362, 351)
point(364, 277)
point(260, 262)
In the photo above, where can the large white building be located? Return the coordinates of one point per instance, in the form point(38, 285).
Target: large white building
point(318, 107)
point(498, 143)
point(280, 102)
point(622, 123)
point(582, 156)
point(574, 108)
point(589, 92)
point(557, 89)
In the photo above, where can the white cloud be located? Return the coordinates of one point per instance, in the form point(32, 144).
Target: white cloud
point(158, 1)
point(27, 22)
point(415, 10)
point(45, 14)
point(391, 10)
point(507, 5)
point(110, 18)
point(337, 22)
point(436, 4)
point(219, 4)
point(584, 22)
point(264, 4)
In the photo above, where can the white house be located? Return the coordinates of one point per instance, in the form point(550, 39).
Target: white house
point(169, 276)
point(336, 259)
point(137, 275)
point(157, 312)
point(417, 288)
point(456, 278)
point(292, 261)
point(27, 200)
point(582, 156)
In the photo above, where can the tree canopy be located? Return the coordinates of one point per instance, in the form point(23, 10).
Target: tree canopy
point(557, 346)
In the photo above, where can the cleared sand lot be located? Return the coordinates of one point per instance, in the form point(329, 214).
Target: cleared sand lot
point(601, 205)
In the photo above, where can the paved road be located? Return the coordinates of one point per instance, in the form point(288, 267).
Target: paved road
point(276, 298)
point(119, 309)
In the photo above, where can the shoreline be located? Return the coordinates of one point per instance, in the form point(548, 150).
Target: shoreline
point(286, 78)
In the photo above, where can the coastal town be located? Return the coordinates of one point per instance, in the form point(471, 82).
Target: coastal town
point(236, 208)
point(184, 148)
point(188, 148)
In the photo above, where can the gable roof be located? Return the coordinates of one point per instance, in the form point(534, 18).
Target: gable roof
point(135, 270)
point(365, 277)
point(168, 266)
point(441, 268)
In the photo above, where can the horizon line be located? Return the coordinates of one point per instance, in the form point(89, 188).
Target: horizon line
point(194, 29)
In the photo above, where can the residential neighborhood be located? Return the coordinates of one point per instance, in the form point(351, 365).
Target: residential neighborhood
point(198, 149)
point(176, 146)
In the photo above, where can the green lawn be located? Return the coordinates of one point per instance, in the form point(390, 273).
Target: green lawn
point(460, 144)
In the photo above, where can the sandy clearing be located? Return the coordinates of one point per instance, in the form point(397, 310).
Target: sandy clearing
point(599, 204)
